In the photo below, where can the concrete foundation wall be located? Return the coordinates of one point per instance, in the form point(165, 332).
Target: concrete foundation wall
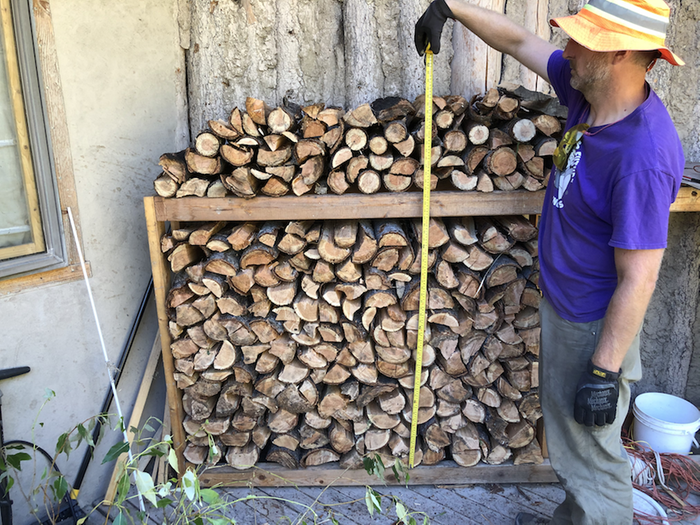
point(123, 78)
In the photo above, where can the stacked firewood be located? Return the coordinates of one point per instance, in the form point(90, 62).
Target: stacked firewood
point(491, 142)
point(294, 342)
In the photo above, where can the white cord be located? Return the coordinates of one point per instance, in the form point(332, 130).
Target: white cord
point(642, 473)
point(104, 349)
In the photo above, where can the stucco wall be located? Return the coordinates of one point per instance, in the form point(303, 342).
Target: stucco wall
point(122, 71)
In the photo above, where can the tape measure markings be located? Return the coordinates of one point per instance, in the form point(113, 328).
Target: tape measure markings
point(427, 150)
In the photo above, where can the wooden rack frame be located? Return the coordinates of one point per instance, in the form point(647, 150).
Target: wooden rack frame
point(354, 206)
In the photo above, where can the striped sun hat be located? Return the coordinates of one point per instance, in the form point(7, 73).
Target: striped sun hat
point(621, 25)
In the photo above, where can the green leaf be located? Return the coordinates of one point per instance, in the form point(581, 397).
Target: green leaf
point(189, 484)
point(61, 442)
point(49, 394)
point(164, 489)
point(123, 486)
point(172, 460)
point(144, 482)
point(198, 521)
point(162, 503)
point(116, 451)
point(15, 460)
point(334, 521)
point(412, 521)
point(10, 483)
point(426, 521)
point(120, 519)
point(82, 520)
point(59, 487)
point(368, 463)
point(368, 502)
point(376, 499)
point(84, 434)
point(379, 465)
point(209, 496)
point(400, 511)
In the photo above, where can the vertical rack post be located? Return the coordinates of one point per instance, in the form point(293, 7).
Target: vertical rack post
point(161, 284)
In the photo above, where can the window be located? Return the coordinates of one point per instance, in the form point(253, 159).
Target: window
point(33, 233)
point(20, 220)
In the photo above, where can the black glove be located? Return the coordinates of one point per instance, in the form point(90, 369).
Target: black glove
point(596, 396)
point(429, 26)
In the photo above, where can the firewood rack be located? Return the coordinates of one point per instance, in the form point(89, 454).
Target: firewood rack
point(158, 211)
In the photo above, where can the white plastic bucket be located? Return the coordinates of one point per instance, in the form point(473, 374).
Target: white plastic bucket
point(666, 423)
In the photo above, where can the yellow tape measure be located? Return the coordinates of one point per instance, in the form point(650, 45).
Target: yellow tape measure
point(427, 149)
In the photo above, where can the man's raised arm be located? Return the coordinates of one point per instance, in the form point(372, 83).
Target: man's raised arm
point(496, 29)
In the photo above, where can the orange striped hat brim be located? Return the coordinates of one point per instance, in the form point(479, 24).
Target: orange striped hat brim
point(621, 25)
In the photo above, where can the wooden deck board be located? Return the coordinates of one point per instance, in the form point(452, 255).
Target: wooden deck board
point(270, 474)
point(415, 501)
point(495, 504)
point(481, 503)
point(545, 497)
point(352, 512)
point(347, 504)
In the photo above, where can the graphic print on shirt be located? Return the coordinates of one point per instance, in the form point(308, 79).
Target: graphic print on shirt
point(562, 179)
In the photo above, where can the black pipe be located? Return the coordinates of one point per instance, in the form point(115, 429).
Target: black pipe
point(7, 373)
point(126, 349)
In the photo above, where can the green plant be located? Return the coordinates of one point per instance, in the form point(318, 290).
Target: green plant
point(177, 501)
point(375, 466)
point(45, 492)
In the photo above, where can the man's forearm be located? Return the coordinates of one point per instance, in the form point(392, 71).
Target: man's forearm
point(627, 308)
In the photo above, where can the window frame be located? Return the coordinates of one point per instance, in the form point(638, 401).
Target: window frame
point(51, 154)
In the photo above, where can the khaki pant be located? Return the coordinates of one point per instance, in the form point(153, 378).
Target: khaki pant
point(590, 462)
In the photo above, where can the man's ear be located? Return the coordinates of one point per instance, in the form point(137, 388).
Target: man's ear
point(621, 56)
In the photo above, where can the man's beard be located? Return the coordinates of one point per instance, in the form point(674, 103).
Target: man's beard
point(596, 76)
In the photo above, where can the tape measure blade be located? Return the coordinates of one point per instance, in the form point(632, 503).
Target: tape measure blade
point(425, 228)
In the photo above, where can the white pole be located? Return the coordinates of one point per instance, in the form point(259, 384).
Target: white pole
point(104, 349)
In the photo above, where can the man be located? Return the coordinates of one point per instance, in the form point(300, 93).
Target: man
point(602, 233)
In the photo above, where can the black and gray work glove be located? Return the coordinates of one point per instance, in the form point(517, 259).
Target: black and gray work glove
point(596, 396)
point(429, 26)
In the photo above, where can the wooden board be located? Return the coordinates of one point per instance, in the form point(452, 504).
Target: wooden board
point(136, 413)
point(161, 285)
point(378, 205)
point(356, 206)
point(446, 472)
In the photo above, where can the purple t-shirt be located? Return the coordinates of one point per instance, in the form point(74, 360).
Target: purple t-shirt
point(615, 192)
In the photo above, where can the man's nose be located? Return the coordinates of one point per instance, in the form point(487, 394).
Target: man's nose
point(570, 49)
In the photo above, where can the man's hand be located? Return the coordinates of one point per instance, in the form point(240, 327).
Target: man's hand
point(596, 396)
point(429, 26)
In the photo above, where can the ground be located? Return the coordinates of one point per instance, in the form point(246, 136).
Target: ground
point(492, 504)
